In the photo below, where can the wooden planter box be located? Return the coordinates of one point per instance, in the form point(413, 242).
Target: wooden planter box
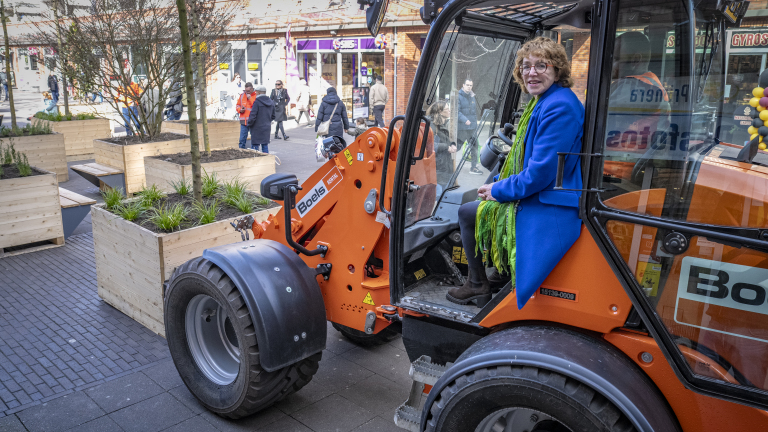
point(130, 158)
point(250, 170)
point(79, 135)
point(30, 211)
point(132, 262)
point(221, 134)
point(45, 152)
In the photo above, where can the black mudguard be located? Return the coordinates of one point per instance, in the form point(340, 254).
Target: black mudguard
point(283, 298)
point(592, 362)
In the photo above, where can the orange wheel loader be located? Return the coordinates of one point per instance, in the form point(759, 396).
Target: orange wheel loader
point(656, 319)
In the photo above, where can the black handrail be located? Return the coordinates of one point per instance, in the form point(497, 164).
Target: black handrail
point(395, 119)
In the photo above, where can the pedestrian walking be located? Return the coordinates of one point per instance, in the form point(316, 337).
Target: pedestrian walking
point(260, 119)
point(379, 98)
point(243, 107)
point(280, 98)
point(53, 86)
point(236, 87)
point(333, 110)
point(468, 122)
point(175, 106)
point(303, 101)
point(439, 114)
point(127, 98)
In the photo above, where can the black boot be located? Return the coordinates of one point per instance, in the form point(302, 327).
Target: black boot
point(478, 291)
point(498, 280)
point(285, 137)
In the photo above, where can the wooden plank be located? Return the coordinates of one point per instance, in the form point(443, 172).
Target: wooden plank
point(109, 170)
point(75, 198)
point(30, 249)
point(27, 204)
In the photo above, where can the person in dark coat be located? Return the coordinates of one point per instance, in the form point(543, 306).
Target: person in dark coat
point(468, 122)
point(439, 114)
point(260, 120)
point(53, 86)
point(339, 122)
point(280, 98)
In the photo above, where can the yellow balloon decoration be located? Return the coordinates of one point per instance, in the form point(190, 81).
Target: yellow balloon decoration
point(755, 102)
point(752, 130)
point(764, 117)
point(758, 92)
point(761, 146)
point(760, 108)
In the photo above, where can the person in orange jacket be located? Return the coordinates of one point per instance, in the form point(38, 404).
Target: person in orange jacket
point(127, 98)
point(243, 107)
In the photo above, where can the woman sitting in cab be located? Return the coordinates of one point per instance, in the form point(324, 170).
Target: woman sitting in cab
point(520, 224)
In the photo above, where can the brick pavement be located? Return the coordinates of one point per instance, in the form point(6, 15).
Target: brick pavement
point(70, 362)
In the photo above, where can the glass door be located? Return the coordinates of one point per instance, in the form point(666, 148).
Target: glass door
point(741, 78)
point(349, 79)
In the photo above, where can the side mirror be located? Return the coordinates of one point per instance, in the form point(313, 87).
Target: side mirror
point(273, 186)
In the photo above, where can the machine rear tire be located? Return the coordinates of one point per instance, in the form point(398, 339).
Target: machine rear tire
point(360, 338)
point(225, 374)
point(544, 400)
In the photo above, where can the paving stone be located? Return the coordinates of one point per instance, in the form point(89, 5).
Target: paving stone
point(333, 414)
point(151, 415)
point(385, 360)
point(101, 424)
point(379, 424)
point(164, 374)
point(11, 423)
point(195, 424)
point(286, 424)
point(309, 394)
point(122, 392)
point(377, 394)
point(186, 397)
point(339, 373)
point(61, 413)
point(257, 421)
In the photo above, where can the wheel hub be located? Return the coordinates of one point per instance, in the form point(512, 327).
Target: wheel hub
point(212, 339)
point(517, 419)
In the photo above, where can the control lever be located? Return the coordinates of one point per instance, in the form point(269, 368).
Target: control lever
point(243, 225)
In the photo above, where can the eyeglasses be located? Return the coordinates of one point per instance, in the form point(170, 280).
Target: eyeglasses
point(278, 84)
point(539, 67)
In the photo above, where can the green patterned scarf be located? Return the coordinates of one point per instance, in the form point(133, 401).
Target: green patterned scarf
point(495, 224)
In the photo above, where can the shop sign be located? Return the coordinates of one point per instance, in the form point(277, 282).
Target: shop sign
point(344, 44)
point(223, 65)
point(749, 39)
point(700, 39)
point(253, 66)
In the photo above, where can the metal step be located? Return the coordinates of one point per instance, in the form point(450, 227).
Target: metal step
point(408, 418)
point(426, 372)
point(423, 372)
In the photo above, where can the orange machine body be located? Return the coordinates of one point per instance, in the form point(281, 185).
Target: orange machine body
point(330, 211)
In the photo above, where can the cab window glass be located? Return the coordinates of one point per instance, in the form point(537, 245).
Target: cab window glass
point(676, 123)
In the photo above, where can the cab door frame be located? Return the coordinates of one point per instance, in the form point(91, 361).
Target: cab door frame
point(596, 215)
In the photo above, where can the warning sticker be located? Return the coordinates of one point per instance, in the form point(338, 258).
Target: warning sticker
point(361, 157)
point(458, 256)
point(368, 299)
point(420, 274)
point(348, 155)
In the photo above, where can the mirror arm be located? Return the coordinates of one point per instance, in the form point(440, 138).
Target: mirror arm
point(289, 192)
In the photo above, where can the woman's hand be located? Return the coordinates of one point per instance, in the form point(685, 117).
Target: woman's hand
point(484, 192)
point(452, 148)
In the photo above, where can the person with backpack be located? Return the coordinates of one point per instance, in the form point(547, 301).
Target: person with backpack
point(333, 111)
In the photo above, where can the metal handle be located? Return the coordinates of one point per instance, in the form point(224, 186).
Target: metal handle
point(395, 119)
point(561, 167)
point(288, 193)
point(424, 139)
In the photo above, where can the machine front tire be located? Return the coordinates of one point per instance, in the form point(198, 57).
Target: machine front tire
point(213, 344)
point(522, 398)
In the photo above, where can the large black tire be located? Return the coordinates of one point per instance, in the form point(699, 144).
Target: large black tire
point(360, 338)
point(253, 389)
point(548, 402)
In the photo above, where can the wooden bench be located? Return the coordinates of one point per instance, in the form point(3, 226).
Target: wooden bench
point(74, 208)
point(101, 175)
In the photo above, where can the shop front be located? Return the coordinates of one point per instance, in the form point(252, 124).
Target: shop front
point(745, 59)
point(344, 63)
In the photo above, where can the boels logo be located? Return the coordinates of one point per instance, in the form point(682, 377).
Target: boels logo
point(319, 191)
point(729, 289)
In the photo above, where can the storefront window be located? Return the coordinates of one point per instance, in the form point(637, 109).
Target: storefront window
point(308, 71)
point(348, 79)
point(741, 78)
point(372, 64)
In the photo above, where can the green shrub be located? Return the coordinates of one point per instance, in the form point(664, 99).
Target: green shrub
point(210, 184)
point(23, 166)
point(113, 197)
point(244, 204)
point(131, 211)
point(150, 195)
point(167, 218)
point(27, 130)
point(206, 213)
point(58, 117)
point(8, 153)
point(232, 191)
point(182, 187)
point(260, 200)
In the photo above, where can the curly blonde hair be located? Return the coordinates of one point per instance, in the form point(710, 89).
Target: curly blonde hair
point(548, 50)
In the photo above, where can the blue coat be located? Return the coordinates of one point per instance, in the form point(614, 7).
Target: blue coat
point(339, 122)
point(260, 120)
point(547, 222)
point(467, 111)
